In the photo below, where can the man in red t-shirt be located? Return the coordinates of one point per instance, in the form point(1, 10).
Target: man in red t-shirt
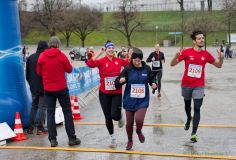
point(193, 80)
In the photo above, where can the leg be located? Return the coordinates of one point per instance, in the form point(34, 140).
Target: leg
point(187, 94)
point(116, 105)
point(139, 119)
point(159, 77)
point(35, 101)
point(129, 128)
point(64, 100)
point(42, 112)
point(50, 101)
point(196, 117)
point(129, 124)
point(105, 101)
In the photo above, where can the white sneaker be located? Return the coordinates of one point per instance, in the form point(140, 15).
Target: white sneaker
point(121, 122)
point(113, 142)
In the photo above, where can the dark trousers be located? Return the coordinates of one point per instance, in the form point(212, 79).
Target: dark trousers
point(64, 100)
point(111, 106)
point(38, 106)
point(158, 75)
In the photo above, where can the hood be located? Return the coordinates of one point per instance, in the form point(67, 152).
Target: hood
point(42, 45)
point(52, 52)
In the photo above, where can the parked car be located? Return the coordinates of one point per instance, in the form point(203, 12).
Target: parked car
point(78, 54)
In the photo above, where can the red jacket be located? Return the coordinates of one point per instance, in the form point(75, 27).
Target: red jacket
point(52, 65)
point(108, 71)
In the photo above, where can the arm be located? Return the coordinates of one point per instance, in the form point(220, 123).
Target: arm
point(27, 74)
point(149, 59)
point(122, 78)
point(175, 60)
point(38, 67)
point(67, 66)
point(94, 62)
point(151, 78)
point(218, 63)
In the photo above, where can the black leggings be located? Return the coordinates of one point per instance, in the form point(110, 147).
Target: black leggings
point(111, 105)
point(196, 116)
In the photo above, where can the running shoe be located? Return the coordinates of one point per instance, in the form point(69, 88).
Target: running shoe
point(187, 124)
point(194, 138)
point(30, 130)
point(42, 130)
point(113, 143)
point(73, 142)
point(159, 95)
point(53, 142)
point(129, 145)
point(141, 137)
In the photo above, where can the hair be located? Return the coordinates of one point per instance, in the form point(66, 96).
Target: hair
point(195, 33)
point(54, 42)
point(137, 53)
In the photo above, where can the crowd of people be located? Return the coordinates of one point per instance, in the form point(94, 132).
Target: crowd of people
point(45, 72)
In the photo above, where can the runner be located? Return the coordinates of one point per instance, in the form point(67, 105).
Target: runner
point(193, 81)
point(157, 58)
point(136, 96)
point(110, 98)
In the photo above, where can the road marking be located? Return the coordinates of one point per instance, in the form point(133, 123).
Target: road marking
point(119, 151)
point(163, 125)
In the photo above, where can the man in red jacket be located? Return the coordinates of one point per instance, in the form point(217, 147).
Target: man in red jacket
point(52, 65)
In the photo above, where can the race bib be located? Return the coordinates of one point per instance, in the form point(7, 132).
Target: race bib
point(110, 83)
point(137, 91)
point(194, 70)
point(156, 63)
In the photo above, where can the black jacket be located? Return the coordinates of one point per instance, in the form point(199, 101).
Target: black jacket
point(35, 81)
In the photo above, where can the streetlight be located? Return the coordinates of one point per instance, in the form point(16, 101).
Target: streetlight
point(156, 33)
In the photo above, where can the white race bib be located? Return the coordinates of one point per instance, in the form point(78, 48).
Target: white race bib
point(156, 63)
point(137, 91)
point(195, 70)
point(110, 83)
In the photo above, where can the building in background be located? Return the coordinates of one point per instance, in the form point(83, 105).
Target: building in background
point(142, 5)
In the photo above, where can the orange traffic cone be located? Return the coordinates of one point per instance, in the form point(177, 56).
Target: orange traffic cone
point(18, 129)
point(76, 111)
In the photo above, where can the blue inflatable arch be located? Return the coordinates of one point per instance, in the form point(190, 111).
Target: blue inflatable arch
point(14, 95)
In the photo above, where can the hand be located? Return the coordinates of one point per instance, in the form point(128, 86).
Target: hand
point(154, 85)
point(122, 80)
point(220, 54)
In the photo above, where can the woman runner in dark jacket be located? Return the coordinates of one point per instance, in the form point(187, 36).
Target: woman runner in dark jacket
point(137, 76)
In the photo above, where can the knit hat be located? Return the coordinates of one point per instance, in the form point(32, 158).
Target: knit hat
point(109, 44)
point(137, 53)
point(54, 42)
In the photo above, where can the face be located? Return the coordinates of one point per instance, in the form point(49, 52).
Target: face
point(199, 42)
point(157, 47)
point(123, 48)
point(137, 62)
point(110, 51)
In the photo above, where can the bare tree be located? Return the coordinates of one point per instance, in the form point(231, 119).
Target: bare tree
point(48, 13)
point(229, 7)
point(181, 4)
point(205, 22)
point(66, 24)
point(25, 26)
point(127, 19)
point(209, 5)
point(86, 21)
